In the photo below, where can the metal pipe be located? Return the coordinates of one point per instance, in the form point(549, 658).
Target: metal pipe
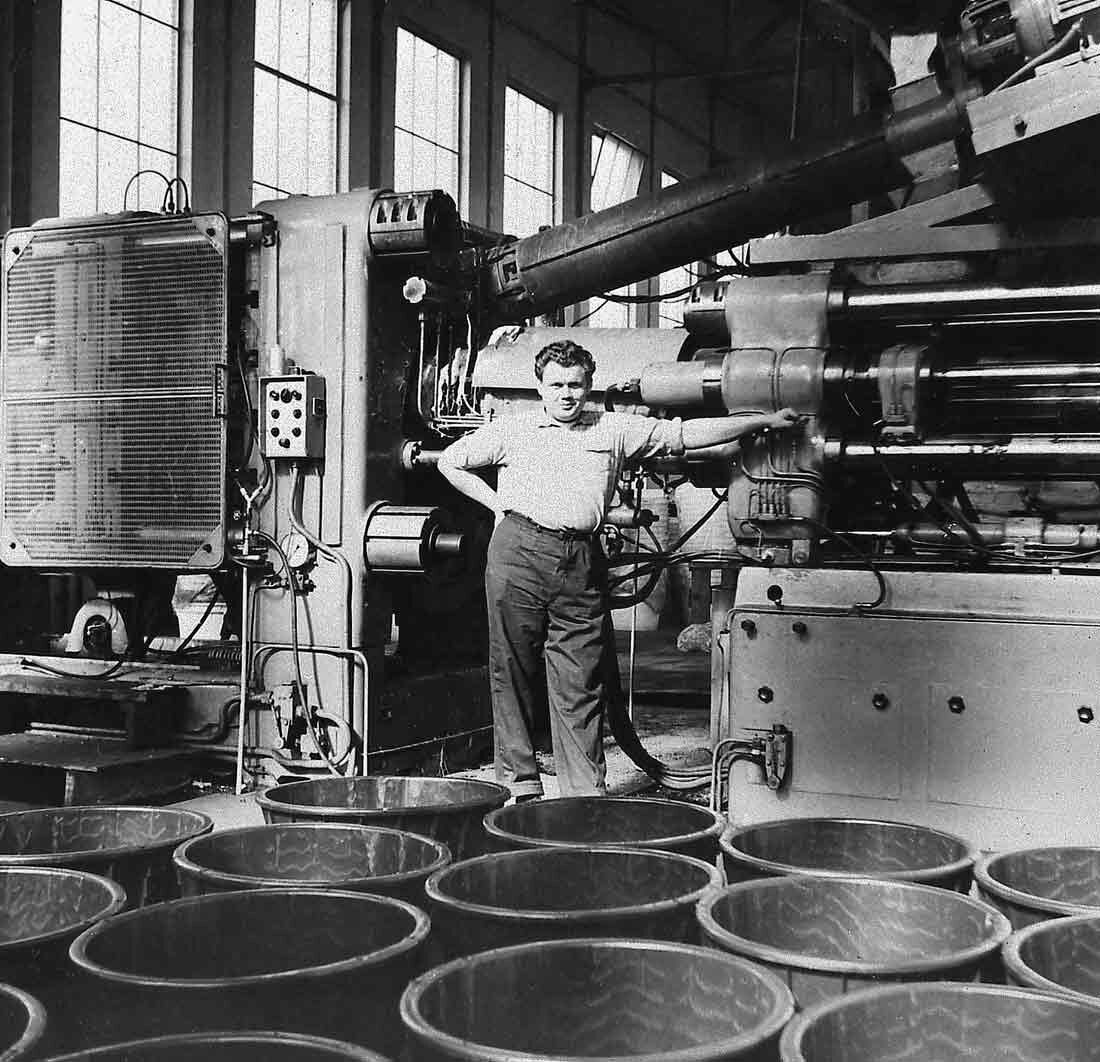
point(957, 303)
point(243, 713)
point(646, 236)
point(987, 454)
point(1020, 374)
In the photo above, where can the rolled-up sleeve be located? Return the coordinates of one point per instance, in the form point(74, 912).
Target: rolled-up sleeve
point(649, 437)
point(480, 449)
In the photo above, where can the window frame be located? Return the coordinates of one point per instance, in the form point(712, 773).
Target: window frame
point(338, 98)
point(462, 105)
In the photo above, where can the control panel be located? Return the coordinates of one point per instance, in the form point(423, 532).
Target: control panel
point(292, 416)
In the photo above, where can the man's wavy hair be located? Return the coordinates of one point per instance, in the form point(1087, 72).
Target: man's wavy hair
point(567, 354)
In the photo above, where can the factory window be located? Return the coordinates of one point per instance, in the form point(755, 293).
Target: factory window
point(294, 99)
point(672, 282)
point(529, 163)
point(427, 117)
point(119, 103)
point(616, 176)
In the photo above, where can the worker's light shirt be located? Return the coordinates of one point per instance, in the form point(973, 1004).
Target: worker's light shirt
point(562, 475)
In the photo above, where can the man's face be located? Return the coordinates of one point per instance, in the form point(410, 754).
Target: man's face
point(564, 391)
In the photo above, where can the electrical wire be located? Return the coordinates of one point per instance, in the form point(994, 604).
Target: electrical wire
point(866, 558)
point(1053, 52)
point(178, 651)
point(300, 686)
point(155, 173)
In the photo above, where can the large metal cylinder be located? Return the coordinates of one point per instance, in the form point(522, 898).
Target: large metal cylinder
point(311, 855)
point(1033, 884)
point(322, 962)
point(132, 846)
point(615, 822)
point(596, 999)
point(849, 848)
point(945, 1023)
point(554, 893)
point(828, 936)
point(643, 237)
point(447, 809)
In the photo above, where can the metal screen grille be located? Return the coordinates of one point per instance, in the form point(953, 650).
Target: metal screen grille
point(111, 391)
point(1067, 9)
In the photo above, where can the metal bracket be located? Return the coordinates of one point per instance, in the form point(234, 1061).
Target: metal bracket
point(770, 751)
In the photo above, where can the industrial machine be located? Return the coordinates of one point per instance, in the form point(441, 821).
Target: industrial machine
point(903, 607)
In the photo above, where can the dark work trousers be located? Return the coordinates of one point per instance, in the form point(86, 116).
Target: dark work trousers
point(546, 595)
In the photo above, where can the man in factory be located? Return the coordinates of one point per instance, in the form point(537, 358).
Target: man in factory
point(546, 576)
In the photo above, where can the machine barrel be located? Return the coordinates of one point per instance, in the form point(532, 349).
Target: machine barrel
point(643, 237)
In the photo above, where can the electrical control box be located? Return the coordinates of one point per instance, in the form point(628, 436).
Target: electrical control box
point(292, 416)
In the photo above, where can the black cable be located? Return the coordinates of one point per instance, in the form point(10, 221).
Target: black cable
point(178, 651)
point(155, 173)
point(866, 558)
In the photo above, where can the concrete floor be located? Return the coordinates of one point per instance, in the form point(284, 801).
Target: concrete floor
point(671, 716)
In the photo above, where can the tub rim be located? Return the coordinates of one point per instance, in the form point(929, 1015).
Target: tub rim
point(495, 796)
point(78, 949)
point(1030, 978)
point(682, 840)
point(116, 903)
point(36, 1020)
point(242, 1036)
point(526, 915)
point(1008, 894)
point(770, 866)
point(1001, 929)
point(782, 1009)
point(185, 864)
point(203, 823)
point(790, 1040)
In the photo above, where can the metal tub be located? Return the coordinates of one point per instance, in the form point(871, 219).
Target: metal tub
point(852, 848)
point(447, 809)
point(227, 1047)
point(553, 893)
point(22, 1023)
point(619, 822)
point(42, 910)
point(315, 961)
point(1060, 955)
point(828, 936)
point(1034, 884)
point(132, 846)
point(311, 855)
point(945, 1023)
point(596, 999)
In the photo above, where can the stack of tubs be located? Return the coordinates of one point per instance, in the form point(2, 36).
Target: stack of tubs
point(65, 870)
point(1052, 897)
point(289, 934)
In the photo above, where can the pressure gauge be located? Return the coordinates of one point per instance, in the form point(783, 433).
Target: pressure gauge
point(299, 553)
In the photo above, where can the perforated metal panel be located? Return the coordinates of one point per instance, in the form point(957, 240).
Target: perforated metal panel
point(112, 370)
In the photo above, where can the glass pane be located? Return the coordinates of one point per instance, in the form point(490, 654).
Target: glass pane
point(405, 90)
point(446, 100)
point(79, 54)
point(426, 107)
point(149, 188)
point(77, 172)
point(158, 86)
point(612, 314)
point(267, 32)
point(165, 10)
point(447, 174)
point(119, 70)
point(528, 141)
point(265, 128)
point(402, 161)
point(262, 192)
point(294, 38)
point(322, 45)
point(293, 138)
point(322, 145)
point(525, 208)
point(118, 162)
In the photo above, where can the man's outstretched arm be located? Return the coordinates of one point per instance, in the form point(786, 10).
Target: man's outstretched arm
point(715, 431)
